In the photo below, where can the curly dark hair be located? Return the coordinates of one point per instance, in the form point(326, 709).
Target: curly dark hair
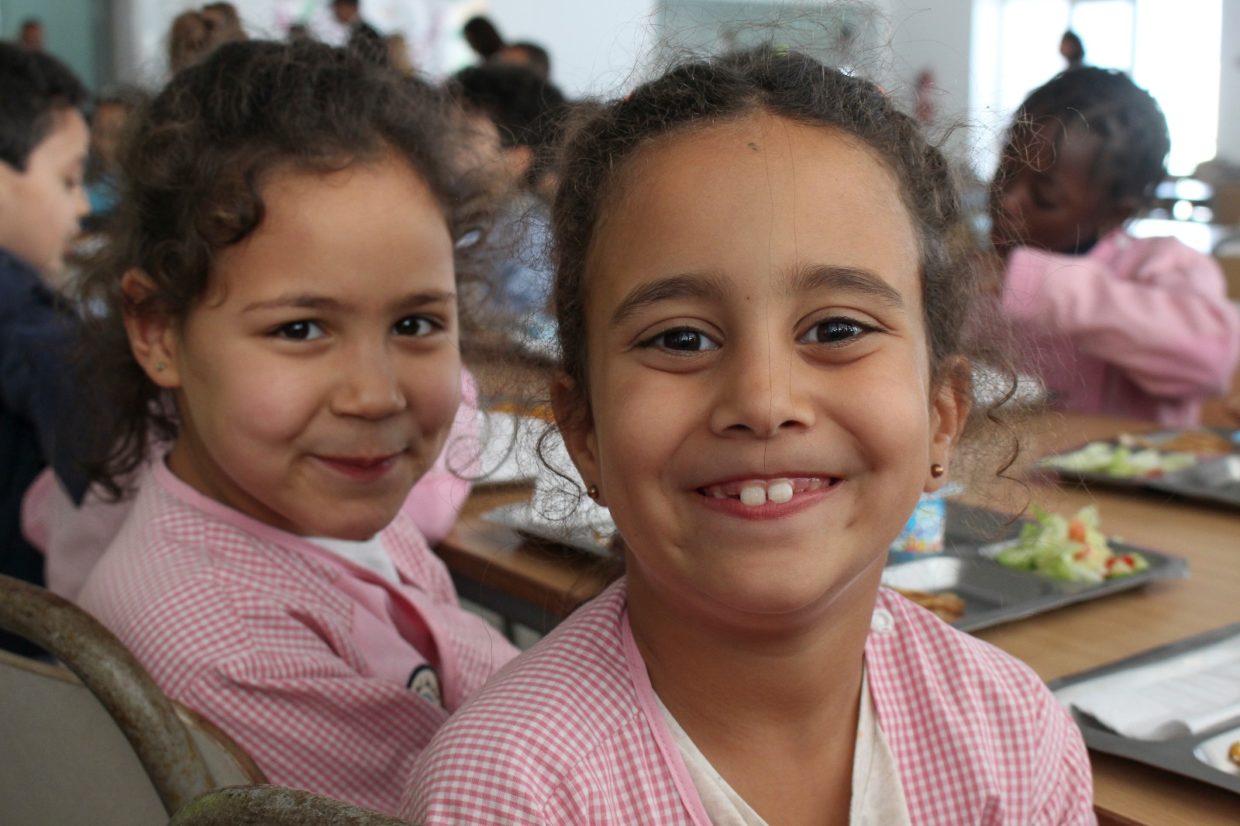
point(527, 109)
point(36, 86)
point(1135, 141)
point(793, 86)
point(194, 167)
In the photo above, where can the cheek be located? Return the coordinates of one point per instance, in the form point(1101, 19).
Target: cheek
point(434, 392)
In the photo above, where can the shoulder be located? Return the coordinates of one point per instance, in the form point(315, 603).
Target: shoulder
point(988, 717)
point(557, 707)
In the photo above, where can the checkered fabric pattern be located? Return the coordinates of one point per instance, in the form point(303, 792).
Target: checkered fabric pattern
point(299, 655)
point(565, 736)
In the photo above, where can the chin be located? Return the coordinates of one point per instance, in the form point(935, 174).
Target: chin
point(353, 527)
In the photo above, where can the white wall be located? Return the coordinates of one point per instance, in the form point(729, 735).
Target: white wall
point(1229, 84)
point(596, 47)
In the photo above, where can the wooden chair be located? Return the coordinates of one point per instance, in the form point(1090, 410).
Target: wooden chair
point(275, 806)
point(97, 742)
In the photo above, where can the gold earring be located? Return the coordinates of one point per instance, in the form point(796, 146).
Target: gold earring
point(592, 492)
point(937, 470)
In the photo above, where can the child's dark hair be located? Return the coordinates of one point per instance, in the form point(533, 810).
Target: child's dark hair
point(784, 84)
point(193, 171)
point(36, 86)
point(1129, 121)
point(526, 109)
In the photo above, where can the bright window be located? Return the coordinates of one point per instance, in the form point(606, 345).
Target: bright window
point(1169, 47)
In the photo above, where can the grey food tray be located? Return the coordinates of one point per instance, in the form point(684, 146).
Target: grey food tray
point(1201, 756)
point(1213, 479)
point(994, 594)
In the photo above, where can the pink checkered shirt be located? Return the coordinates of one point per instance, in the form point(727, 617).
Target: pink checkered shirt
point(570, 734)
point(300, 655)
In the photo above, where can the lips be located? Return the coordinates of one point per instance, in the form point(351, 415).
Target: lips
point(361, 468)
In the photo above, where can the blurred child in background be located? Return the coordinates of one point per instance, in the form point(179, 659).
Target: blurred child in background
point(1136, 327)
point(43, 140)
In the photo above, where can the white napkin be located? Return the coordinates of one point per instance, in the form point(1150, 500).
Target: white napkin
point(1183, 695)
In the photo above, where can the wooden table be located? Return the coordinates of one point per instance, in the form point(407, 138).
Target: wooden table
point(488, 560)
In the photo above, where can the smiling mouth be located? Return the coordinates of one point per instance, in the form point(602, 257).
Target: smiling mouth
point(361, 468)
point(754, 493)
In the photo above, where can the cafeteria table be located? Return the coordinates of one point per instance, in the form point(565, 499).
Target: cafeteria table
point(538, 586)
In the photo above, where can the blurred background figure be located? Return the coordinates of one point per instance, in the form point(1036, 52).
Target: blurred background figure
point(225, 22)
point(524, 112)
point(483, 37)
point(299, 32)
point(1072, 49)
point(363, 40)
point(31, 36)
point(398, 54)
point(190, 39)
point(525, 54)
point(107, 125)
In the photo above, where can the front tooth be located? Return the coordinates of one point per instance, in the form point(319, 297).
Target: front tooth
point(753, 495)
point(780, 492)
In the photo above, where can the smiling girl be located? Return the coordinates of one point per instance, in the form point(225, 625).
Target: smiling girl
point(761, 312)
point(281, 308)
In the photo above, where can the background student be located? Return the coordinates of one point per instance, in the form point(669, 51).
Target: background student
point(1135, 327)
point(43, 139)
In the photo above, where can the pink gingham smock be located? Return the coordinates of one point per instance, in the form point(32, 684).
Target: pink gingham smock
point(1137, 327)
point(571, 733)
point(301, 656)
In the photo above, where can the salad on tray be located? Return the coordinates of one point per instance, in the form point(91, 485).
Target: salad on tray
point(1121, 461)
point(1074, 549)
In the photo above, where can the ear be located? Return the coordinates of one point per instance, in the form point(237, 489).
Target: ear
point(153, 337)
point(949, 411)
point(572, 415)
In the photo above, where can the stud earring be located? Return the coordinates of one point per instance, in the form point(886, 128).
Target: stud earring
point(159, 366)
point(937, 470)
point(592, 492)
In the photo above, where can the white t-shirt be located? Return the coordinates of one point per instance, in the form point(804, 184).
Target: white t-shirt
point(877, 798)
point(369, 553)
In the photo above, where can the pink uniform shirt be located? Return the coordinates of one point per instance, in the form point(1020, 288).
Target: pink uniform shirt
point(571, 733)
point(307, 660)
point(1138, 327)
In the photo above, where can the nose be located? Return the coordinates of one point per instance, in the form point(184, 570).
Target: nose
point(763, 390)
point(368, 386)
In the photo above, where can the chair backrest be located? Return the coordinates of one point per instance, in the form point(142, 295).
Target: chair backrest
point(86, 750)
point(275, 806)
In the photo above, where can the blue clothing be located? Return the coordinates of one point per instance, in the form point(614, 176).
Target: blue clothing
point(41, 417)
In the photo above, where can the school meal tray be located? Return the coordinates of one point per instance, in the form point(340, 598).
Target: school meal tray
point(1201, 464)
point(991, 593)
point(994, 594)
point(1200, 740)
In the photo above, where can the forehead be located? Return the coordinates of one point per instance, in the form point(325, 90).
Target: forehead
point(753, 197)
point(66, 138)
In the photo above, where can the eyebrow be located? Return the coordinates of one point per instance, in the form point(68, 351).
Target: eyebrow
point(688, 285)
point(313, 301)
point(846, 279)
